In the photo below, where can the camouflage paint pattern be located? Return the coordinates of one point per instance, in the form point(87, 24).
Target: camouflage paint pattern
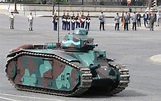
point(52, 73)
point(78, 41)
point(46, 73)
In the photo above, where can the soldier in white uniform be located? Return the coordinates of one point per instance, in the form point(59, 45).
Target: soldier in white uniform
point(55, 21)
point(64, 21)
point(77, 21)
point(30, 20)
point(11, 19)
point(68, 22)
point(73, 19)
point(88, 19)
point(82, 20)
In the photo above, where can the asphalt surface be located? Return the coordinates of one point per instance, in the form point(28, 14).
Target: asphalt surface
point(131, 48)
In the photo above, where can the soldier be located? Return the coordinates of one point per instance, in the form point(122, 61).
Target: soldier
point(139, 19)
point(77, 21)
point(151, 21)
point(64, 21)
point(126, 24)
point(82, 20)
point(129, 16)
point(68, 21)
point(134, 19)
point(145, 18)
point(102, 21)
point(73, 18)
point(30, 20)
point(157, 18)
point(88, 19)
point(11, 19)
point(117, 21)
point(55, 21)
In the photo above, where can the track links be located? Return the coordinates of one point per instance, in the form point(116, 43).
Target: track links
point(85, 82)
point(124, 78)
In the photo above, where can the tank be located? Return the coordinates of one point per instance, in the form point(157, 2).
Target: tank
point(70, 68)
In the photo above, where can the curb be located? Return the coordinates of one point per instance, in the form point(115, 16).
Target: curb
point(156, 58)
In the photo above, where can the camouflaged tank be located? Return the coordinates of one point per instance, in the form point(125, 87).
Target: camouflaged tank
point(69, 68)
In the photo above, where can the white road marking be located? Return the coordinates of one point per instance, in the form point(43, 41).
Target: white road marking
point(26, 97)
point(5, 98)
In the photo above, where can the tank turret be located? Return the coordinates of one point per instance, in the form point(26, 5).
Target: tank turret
point(79, 40)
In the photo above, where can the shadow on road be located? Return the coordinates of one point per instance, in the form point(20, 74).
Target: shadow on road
point(127, 93)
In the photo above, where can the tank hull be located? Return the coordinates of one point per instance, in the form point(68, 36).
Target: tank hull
point(60, 73)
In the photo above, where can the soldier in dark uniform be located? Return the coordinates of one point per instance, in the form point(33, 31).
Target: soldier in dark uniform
point(55, 21)
point(88, 19)
point(102, 20)
point(68, 21)
point(126, 24)
point(73, 19)
point(152, 19)
point(134, 20)
point(77, 21)
point(145, 18)
point(139, 19)
point(64, 21)
point(117, 21)
point(82, 20)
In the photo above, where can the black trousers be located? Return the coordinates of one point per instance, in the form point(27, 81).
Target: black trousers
point(87, 25)
point(126, 26)
point(116, 26)
point(151, 26)
point(134, 26)
point(73, 25)
point(139, 23)
point(102, 25)
point(145, 22)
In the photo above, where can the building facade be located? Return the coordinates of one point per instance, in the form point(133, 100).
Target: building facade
point(89, 2)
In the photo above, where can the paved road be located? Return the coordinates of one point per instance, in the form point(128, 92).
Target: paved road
point(132, 48)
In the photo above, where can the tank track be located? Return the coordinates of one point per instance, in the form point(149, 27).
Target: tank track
point(86, 77)
point(124, 78)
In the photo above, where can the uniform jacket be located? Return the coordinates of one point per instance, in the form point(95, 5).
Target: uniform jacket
point(117, 19)
point(134, 18)
point(102, 18)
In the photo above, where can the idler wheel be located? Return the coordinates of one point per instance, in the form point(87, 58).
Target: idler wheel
point(11, 70)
